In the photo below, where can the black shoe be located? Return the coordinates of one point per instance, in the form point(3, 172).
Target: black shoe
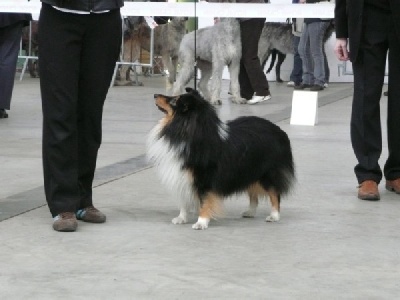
point(3, 114)
point(302, 86)
point(316, 88)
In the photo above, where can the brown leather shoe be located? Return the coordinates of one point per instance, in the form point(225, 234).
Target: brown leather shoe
point(91, 214)
point(65, 222)
point(368, 190)
point(393, 185)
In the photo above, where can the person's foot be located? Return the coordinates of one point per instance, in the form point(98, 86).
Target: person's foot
point(302, 86)
point(3, 113)
point(368, 190)
point(393, 185)
point(316, 88)
point(90, 214)
point(258, 99)
point(290, 84)
point(326, 85)
point(65, 222)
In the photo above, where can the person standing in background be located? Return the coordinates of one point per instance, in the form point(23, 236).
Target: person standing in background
point(311, 51)
point(296, 76)
point(371, 29)
point(80, 43)
point(253, 83)
point(11, 25)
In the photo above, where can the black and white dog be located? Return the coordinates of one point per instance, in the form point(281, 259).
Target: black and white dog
point(205, 160)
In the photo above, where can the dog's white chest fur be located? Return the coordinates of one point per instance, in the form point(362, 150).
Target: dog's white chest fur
point(169, 165)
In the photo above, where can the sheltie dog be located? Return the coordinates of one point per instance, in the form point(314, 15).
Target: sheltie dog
point(206, 160)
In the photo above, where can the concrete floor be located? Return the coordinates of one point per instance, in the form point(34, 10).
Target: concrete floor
point(328, 244)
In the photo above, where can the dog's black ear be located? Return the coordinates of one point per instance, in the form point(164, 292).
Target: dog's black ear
point(185, 102)
point(192, 91)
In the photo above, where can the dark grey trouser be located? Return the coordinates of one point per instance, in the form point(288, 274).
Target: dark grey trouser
point(311, 53)
point(10, 38)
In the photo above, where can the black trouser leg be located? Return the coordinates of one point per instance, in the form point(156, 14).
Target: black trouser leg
point(251, 76)
point(369, 72)
point(77, 57)
point(392, 165)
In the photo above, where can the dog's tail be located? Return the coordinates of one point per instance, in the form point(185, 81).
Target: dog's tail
point(273, 58)
point(284, 177)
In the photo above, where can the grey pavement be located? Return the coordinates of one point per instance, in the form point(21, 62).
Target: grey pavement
point(328, 244)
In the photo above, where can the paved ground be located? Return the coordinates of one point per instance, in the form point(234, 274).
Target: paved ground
point(328, 245)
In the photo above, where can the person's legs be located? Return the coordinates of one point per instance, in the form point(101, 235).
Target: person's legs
point(256, 81)
point(392, 165)
point(304, 52)
point(316, 32)
point(10, 38)
point(369, 71)
point(77, 59)
point(297, 71)
point(60, 39)
point(102, 44)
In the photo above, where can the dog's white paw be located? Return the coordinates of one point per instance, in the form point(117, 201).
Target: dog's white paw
point(178, 220)
point(216, 102)
point(239, 100)
point(273, 217)
point(201, 224)
point(249, 214)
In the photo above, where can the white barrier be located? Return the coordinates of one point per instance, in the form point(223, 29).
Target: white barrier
point(199, 9)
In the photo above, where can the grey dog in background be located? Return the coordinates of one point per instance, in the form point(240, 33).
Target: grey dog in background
point(217, 46)
point(167, 38)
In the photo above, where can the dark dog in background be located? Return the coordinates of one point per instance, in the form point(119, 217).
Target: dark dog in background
point(281, 58)
point(206, 160)
point(277, 40)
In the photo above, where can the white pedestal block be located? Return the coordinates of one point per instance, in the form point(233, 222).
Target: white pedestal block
point(304, 108)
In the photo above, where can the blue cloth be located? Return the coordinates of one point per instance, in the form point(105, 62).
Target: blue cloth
point(297, 72)
point(311, 53)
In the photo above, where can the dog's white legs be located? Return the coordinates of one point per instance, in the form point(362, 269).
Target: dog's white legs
point(216, 85)
point(168, 66)
point(251, 212)
point(273, 217)
point(183, 78)
point(172, 72)
point(275, 200)
point(210, 207)
point(182, 218)
point(234, 84)
point(205, 69)
point(202, 223)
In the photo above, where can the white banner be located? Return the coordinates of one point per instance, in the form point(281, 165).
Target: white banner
point(199, 9)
